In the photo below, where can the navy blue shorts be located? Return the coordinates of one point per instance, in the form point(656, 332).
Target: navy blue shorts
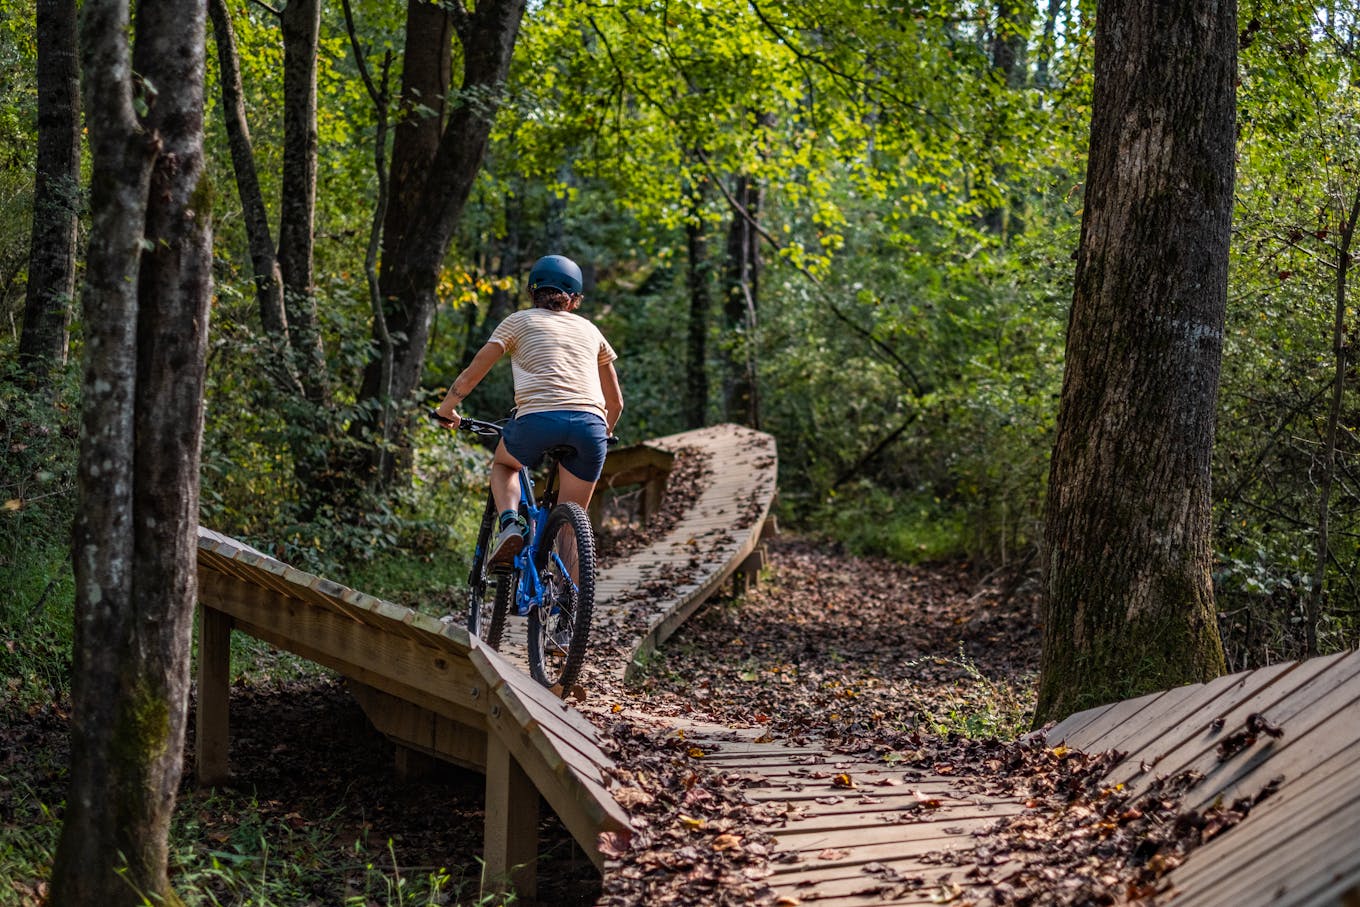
point(527, 438)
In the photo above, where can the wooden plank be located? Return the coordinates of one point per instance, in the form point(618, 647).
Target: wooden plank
point(495, 668)
point(855, 815)
point(417, 673)
point(1303, 848)
point(867, 843)
point(1219, 694)
point(885, 800)
point(582, 815)
point(1262, 832)
point(834, 884)
point(418, 728)
point(212, 728)
point(510, 832)
point(1058, 734)
point(559, 742)
point(1311, 736)
point(1086, 737)
point(1188, 749)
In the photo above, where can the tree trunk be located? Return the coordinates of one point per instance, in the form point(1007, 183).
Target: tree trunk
point(428, 192)
point(56, 193)
point(263, 260)
point(742, 283)
point(297, 207)
point(134, 541)
point(700, 305)
point(1341, 350)
point(1128, 604)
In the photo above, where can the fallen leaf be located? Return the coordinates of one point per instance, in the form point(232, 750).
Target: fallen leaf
point(727, 842)
point(614, 843)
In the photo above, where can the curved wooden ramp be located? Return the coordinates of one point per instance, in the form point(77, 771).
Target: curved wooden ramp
point(1301, 844)
point(436, 692)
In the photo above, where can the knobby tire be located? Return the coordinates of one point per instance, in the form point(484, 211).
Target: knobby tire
point(487, 608)
point(558, 640)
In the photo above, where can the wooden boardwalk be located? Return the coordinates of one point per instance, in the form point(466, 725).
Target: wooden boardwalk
point(436, 692)
point(1300, 845)
point(848, 832)
point(719, 541)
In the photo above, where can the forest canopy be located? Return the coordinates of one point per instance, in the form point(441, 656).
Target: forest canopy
point(851, 225)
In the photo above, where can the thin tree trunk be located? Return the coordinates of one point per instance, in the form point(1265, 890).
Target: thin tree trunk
point(135, 536)
point(378, 95)
point(1342, 352)
point(1044, 55)
point(56, 193)
point(263, 260)
point(301, 21)
point(742, 282)
point(700, 306)
point(1128, 605)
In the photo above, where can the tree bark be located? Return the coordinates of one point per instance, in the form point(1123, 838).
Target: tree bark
point(700, 307)
point(297, 208)
point(1341, 350)
point(429, 190)
point(56, 193)
point(742, 291)
point(145, 303)
point(1128, 605)
point(263, 260)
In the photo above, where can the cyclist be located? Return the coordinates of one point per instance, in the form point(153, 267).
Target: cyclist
point(566, 393)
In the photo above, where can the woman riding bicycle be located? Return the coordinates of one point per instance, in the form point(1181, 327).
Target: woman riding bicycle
point(566, 394)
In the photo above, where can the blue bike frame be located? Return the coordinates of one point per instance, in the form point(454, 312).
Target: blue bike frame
point(529, 589)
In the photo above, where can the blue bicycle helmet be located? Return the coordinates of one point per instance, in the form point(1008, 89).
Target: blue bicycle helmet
point(556, 272)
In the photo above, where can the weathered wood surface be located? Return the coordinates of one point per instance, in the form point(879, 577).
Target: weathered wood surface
point(1300, 845)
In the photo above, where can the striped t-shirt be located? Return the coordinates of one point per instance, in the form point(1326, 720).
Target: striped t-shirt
point(556, 359)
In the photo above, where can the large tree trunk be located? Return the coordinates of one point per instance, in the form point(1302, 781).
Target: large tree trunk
point(56, 193)
point(429, 191)
point(1128, 604)
point(135, 535)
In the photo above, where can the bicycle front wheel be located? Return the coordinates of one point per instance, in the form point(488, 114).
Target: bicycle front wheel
point(488, 594)
point(559, 624)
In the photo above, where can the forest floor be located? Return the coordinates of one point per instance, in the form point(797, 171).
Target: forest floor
point(862, 654)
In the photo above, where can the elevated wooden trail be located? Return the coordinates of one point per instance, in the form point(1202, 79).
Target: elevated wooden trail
point(848, 832)
point(1301, 844)
point(436, 692)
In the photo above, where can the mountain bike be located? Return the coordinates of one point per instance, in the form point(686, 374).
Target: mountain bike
point(552, 580)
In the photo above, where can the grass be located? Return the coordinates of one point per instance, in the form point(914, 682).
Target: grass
point(262, 860)
point(982, 708)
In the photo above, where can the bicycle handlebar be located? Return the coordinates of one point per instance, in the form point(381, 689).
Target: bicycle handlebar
point(475, 426)
point(488, 429)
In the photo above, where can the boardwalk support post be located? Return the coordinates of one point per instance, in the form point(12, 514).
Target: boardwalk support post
point(510, 846)
point(212, 729)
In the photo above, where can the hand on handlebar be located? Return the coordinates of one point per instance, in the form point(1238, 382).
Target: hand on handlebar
point(446, 422)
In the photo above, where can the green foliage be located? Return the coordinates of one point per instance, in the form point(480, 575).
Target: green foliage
point(37, 504)
point(982, 708)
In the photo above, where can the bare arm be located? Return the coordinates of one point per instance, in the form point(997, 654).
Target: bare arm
point(613, 395)
point(470, 378)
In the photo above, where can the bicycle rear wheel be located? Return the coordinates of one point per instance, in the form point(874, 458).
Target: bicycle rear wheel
point(488, 594)
point(559, 625)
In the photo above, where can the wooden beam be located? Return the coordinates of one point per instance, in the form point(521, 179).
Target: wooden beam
point(510, 844)
point(398, 664)
point(212, 727)
point(416, 729)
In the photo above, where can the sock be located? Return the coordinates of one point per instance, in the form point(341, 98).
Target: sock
point(508, 517)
